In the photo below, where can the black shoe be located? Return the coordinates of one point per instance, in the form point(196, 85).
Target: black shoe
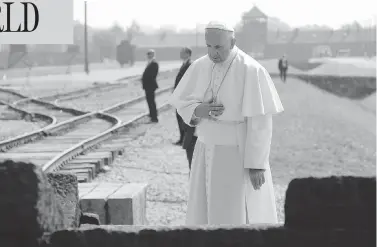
point(178, 143)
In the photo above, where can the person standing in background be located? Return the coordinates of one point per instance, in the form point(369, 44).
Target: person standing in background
point(185, 55)
point(283, 67)
point(149, 81)
point(187, 133)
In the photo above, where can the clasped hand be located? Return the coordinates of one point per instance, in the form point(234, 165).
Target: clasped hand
point(257, 178)
point(209, 110)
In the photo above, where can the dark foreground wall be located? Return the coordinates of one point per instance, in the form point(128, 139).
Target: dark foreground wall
point(320, 212)
point(117, 236)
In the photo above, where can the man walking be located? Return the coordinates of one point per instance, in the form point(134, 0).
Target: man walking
point(149, 80)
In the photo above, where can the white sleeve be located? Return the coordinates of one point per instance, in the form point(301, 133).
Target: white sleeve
point(258, 142)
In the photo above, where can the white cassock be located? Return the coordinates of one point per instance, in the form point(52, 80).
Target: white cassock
point(220, 191)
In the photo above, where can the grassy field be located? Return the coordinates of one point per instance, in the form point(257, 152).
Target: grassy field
point(319, 134)
point(370, 103)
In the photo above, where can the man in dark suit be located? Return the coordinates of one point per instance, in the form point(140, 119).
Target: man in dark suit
point(150, 84)
point(283, 67)
point(185, 55)
point(187, 134)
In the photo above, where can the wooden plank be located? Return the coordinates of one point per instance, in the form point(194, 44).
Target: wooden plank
point(91, 167)
point(80, 171)
point(106, 156)
point(97, 162)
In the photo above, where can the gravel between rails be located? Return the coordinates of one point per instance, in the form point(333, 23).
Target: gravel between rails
point(102, 99)
point(13, 128)
point(59, 114)
point(9, 97)
point(13, 124)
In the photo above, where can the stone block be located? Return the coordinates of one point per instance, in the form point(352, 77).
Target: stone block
point(66, 189)
point(28, 205)
point(331, 203)
point(127, 205)
point(95, 201)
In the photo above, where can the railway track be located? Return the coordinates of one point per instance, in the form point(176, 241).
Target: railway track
point(37, 110)
point(9, 96)
point(11, 116)
point(56, 141)
point(89, 157)
point(125, 83)
point(85, 92)
point(112, 95)
point(76, 143)
point(60, 113)
point(52, 113)
point(25, 115)
point(59, 146)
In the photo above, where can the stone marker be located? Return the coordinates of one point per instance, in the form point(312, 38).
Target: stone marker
point(127, 205)
point(115, 203)
point(331, 203)
point(66, 188)
point(28, 206)
point(95, 201)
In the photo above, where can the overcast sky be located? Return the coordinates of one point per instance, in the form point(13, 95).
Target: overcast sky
point(185, 14)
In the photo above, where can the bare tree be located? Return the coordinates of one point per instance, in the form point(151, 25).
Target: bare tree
point(78, 34)
point(133, 30)
point(162, 35)
point(116, 28)
point(351, 26)
point(105, 43)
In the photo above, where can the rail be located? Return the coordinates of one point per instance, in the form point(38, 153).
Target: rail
point(63, 158)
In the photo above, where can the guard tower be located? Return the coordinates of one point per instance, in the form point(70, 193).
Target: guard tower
point(253, 35)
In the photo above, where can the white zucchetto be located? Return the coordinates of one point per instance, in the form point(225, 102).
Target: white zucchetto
point(219, 25)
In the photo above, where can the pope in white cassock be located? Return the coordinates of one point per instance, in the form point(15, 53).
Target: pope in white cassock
point(230, 98)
